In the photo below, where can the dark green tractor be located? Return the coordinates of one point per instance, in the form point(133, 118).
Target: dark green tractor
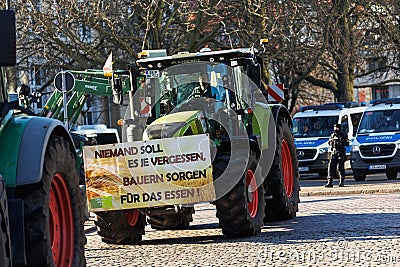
point(42, 214)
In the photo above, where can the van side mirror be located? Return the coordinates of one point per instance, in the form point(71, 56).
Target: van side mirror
point(8, 38)
point(354, 131)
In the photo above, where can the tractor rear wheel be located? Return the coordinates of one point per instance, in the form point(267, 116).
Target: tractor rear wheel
point(282, 182)
point(53, 208)
point(241, 210)
point(121, 226)
point(5, 246)
point(5, 253)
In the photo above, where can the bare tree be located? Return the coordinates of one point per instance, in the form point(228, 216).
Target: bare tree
point(295, 43)
point(354, 25)
point(319, 43)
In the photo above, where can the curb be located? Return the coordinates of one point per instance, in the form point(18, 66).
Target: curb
point(335, 191)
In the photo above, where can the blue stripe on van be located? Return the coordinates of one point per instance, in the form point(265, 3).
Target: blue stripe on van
point(310, 143)
point(378, 138)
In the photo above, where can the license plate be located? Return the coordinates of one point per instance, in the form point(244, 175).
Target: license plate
point(377, 167)
point(304, 169)
point(152, 74)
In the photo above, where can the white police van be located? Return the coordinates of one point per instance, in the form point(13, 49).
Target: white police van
point(312, 127)
point(376, 147)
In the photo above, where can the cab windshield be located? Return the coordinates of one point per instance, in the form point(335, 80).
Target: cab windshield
point(313, 126)
point(380, 121)
point(182, 86)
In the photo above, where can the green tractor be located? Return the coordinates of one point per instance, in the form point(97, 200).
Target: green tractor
point(215, 94)
point(42, 209)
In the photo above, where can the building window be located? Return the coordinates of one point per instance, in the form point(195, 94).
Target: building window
point(380, 92)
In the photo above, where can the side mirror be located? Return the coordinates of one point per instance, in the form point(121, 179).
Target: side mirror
point(116, 84)
point(8, 38)
point(254, 72)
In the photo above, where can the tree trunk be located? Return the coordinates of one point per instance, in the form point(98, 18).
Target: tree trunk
point(344, 84)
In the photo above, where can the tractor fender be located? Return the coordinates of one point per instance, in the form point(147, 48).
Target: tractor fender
point(280, 111)
point(33, 148)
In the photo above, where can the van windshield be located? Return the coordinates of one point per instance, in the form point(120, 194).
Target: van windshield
point(380, 121)
point(314, 126)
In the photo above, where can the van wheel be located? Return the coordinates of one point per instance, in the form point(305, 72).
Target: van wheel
point(391, 174)
point(359, 176)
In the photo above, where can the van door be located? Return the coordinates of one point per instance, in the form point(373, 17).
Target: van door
point(346, 127)
point(355, 120)
point(344, 122)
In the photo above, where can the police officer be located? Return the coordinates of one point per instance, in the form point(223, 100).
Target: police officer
point(337, 142)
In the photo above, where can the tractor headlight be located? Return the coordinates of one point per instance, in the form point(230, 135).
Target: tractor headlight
point(323, 150)
point(355, 148)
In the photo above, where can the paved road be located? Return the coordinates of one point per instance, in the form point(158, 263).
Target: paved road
point(346, 230)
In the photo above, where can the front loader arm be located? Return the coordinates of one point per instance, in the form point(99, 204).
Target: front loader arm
point(87, 83)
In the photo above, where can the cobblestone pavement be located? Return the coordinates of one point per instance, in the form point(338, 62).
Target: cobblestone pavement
point(348, 230)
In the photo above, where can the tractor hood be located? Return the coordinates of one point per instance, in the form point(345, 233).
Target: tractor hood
point(176, 124)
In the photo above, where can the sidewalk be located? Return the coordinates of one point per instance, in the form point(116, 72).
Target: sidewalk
point(373, 185)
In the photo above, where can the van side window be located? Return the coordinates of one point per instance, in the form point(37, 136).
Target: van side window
point(355, 120)
point(345, 124)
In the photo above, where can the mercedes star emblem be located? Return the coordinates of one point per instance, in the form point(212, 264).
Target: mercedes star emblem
point(300, 154)
point(376, 150)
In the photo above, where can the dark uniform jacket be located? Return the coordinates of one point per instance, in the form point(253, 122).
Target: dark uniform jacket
point(338, 142)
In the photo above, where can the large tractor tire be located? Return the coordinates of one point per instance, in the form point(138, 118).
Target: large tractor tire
point(241, 210)
point(161, 219)
point(121, 226)
point(282, 182)
point(53, 211)
point(5, 246)
point(5, 252)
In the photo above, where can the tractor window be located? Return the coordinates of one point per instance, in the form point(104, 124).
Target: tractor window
point(179, 87)
point(243, 86)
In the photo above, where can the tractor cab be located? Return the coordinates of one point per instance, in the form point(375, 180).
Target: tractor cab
point(220, 85)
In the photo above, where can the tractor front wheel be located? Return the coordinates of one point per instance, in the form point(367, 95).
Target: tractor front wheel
point(121, 226)
point(166, 218)
point(241, 210)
